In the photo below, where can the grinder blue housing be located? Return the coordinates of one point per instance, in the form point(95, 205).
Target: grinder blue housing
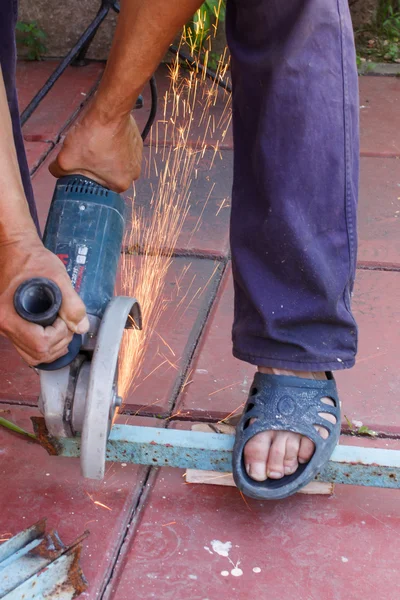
point(85, 229)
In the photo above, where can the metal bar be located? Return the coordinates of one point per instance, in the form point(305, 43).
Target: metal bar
point(80, 59)
point(35, 565)
point(61, 580)
point(196, 65)
point(29, 560)
point(213, 452)
point(20, 540)
point(101, 15)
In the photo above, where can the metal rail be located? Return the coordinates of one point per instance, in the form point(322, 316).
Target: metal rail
point(35, 564)
point(213, 452)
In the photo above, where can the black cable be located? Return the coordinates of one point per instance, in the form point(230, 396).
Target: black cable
point(153, 89)
point(195, 64)
point(153, 110)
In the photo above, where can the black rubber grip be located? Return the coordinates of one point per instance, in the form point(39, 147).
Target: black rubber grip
point(38, 300)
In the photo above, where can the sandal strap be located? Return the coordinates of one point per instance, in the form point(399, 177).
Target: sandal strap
point(287, 403)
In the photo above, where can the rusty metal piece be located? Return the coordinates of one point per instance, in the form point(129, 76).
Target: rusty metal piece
point(49, 443)
point(158, 447)
point(36, 565)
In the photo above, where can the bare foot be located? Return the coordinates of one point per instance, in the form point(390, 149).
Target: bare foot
point(274, 454)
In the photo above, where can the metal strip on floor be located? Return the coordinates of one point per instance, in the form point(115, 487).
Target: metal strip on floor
point(36, 565)
point(158, 447)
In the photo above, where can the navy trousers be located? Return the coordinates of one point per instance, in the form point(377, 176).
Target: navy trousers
point(293, 227)
point(8, 19)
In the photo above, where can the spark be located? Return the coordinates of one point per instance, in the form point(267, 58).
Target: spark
point(245, 501)
point(3, 537)
point(171, 364)
point(170, 523)
point(91, 521)
point(179, 413)
point(225, 388)
point(190, 303)
point(218, 476)
point(209, 279)
point(97, 502)
point(144, 405)
point(186, 384)
point(196, 227)
point(176, 149)
point(165, 343)
point(221, 206)
point(230, 414)
point(102, 505)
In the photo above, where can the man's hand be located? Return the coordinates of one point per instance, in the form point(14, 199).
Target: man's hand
point(23, 259)
point(108, 151)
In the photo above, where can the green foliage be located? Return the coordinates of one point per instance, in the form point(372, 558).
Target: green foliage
point(360, 430)
point(386, 9)
point(207, 17)
point(380, 40)
point(31, 38)
point(12, 427)
point(391, 25)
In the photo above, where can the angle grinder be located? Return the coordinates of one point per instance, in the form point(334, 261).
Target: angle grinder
point(79, 392)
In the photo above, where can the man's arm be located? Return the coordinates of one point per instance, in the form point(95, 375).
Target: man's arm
point(23, 256)
point(106, 144)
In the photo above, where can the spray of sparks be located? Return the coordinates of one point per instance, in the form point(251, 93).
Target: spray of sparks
point(178, 142)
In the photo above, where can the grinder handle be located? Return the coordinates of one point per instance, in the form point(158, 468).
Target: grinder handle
point(38, 300)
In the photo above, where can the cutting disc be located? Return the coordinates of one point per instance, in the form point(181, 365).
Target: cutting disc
point(102, 394)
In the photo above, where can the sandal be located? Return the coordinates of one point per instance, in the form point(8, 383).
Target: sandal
point(286, 403)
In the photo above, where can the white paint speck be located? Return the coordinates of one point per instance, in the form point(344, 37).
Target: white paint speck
point(236, 572)
point(221, 548)
point(344, 559)
point(256, 570)
point(208, 549)
point(123, 464)
point(47, 474)
point(224, 573)
point(192, 576)
point(362, 522)
point(357, 423)
point(202, 371)
point(339, 360)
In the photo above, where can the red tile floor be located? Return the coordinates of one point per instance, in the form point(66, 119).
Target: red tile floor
point(156, 536)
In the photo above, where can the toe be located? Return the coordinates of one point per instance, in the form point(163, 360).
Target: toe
point(306, 450)
point(275, 468)
point(290, 462)
point(256, 455)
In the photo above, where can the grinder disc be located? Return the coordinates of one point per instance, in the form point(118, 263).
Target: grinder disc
point(102, 393)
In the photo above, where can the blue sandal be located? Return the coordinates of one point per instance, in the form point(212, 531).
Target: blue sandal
point(286, 403)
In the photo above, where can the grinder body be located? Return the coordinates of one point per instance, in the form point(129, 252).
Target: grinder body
point(85, 228)
point(79, 391)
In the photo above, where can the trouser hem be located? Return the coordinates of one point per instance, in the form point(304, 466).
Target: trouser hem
point(301, 365)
